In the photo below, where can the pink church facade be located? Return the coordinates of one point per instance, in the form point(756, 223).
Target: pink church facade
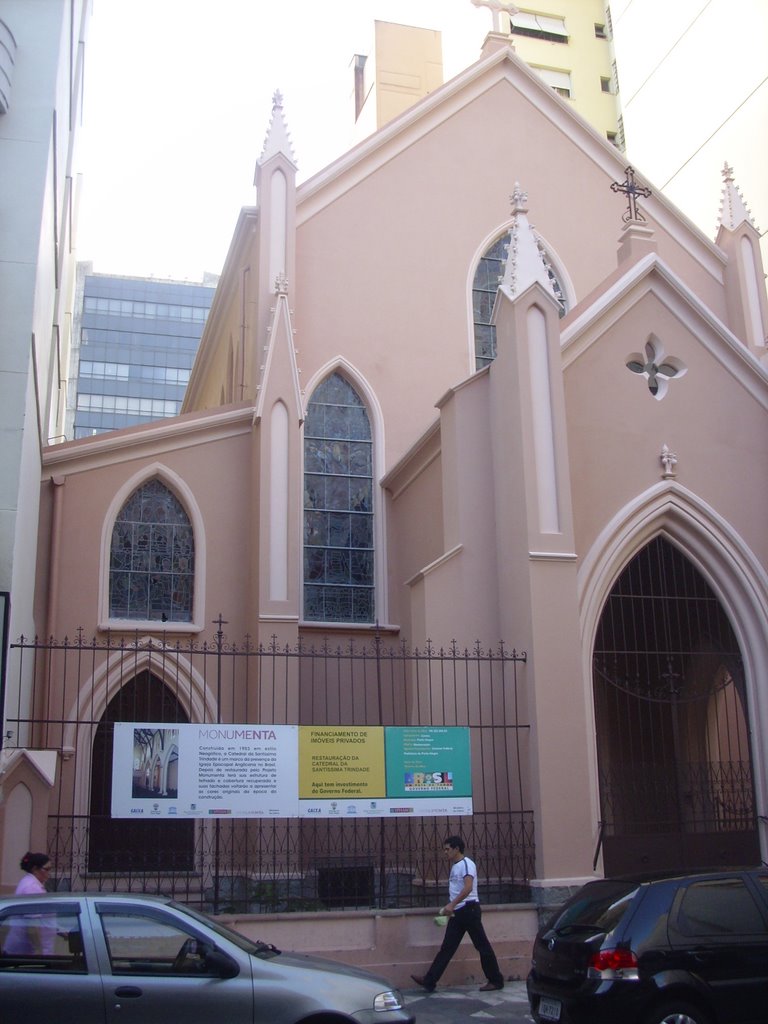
point(573, 464)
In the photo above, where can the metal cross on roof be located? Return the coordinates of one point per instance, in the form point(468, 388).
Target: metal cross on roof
point(631, 190)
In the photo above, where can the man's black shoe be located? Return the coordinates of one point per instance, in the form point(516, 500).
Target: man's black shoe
point(421, 980)
point(491, 986)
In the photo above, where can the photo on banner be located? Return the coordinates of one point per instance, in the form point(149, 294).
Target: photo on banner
point(205, 770)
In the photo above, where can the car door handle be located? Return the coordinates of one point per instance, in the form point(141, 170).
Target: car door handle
point(128, 992)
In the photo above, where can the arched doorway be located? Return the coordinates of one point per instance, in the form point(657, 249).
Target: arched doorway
point(674, 763)
point(123, 844)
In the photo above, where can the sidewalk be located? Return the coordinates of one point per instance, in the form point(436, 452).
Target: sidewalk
point(457, 1004)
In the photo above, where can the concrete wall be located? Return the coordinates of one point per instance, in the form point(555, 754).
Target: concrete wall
point(397, 943)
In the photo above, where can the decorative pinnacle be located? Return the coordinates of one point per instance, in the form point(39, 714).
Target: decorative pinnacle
point(668, 461)
point(519, 200)
point(733, 209)
point(281, 284)
point(278, 139)
point(524, 263)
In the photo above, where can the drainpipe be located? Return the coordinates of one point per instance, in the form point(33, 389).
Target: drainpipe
point(53, 555)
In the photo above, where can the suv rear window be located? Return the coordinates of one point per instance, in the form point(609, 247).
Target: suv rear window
point(599, 905)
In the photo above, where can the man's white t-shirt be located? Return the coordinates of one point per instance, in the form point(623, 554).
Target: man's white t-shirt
point(456, 877)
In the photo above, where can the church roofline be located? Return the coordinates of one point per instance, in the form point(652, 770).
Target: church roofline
point(589, 324)
point(159, 436)
point(371, 153)
point(229, 281)
point(424, 450)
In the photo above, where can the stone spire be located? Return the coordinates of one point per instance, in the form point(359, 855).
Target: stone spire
point(739, 237)
point(733, 209)
point(272, 272)
point(278, 140)
point(525, 263)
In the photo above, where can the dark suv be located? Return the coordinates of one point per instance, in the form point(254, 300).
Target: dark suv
point(691, 949)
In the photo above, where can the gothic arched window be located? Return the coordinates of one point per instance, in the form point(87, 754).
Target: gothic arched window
point(152, 558)
point(488, 275)
point(338, 506)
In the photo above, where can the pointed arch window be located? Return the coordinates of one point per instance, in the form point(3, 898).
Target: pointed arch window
point(488, 275)
point(338, 506)
point(152, 558)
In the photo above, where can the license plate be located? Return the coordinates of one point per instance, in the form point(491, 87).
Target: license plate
point(549, 1009)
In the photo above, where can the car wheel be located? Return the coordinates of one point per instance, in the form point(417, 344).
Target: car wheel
point(675, 1012)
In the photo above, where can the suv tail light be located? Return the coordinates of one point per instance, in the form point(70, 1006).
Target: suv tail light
point(613, 963)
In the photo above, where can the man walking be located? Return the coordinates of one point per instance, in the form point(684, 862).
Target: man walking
point(464, 916)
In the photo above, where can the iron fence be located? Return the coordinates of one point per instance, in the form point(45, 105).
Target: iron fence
point(67, 695)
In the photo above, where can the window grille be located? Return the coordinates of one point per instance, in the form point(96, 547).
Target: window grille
point(152, 558)
point(338, 506)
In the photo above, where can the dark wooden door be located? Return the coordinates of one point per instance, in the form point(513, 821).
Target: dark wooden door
point(122, 844)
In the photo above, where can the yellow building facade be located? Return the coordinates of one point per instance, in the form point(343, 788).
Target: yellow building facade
point(566, 42)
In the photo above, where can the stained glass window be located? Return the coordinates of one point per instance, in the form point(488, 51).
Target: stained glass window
point(152, 558)
point(338, 506)
point(488, 275)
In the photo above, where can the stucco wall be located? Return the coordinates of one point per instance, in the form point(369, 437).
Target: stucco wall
point(398, 943)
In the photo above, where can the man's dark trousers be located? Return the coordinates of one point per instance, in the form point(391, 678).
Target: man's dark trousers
point(465, 920)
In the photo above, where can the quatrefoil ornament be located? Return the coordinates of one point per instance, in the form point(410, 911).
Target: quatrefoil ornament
point(657, 368)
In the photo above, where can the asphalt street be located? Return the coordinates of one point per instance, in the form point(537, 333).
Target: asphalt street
point(455, 1005)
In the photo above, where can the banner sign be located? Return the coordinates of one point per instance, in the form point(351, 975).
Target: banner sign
point(289, 771)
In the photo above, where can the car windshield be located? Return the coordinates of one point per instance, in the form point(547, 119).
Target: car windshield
point(598, 907)
point(261, 949)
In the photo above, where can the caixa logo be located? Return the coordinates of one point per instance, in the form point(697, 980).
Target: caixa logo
point(137, 810)
point(314, 810)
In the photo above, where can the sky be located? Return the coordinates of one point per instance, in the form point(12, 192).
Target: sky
point(177, 103)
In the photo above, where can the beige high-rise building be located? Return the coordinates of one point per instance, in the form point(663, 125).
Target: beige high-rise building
point(405, 63)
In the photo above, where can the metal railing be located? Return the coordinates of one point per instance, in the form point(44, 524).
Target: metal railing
point(68, 694)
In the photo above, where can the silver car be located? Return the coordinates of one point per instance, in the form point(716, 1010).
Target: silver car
point(76, 958)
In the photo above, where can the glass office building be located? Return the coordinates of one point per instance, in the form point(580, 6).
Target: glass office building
point(138, 338)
